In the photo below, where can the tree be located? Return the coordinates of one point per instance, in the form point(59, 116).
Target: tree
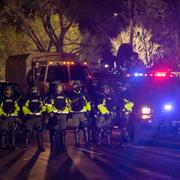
point(158, 17)
point(153, 28)
point(12, 43)
point(50, 15)
point(98, 22)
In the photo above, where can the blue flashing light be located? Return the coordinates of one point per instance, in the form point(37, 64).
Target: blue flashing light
point(168, 107)
point(138, 74)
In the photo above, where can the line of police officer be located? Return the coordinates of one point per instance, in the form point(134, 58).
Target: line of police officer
point(85, 113)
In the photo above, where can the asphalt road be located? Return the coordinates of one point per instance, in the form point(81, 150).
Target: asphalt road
point(152, 158)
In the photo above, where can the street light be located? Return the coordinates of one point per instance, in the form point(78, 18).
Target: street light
point(115, 14)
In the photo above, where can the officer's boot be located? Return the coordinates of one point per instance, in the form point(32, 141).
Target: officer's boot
point(63, 139)
point(89, 134)
point(53, 137)
point(26, 142)
point(86, 136)
point(99, 138)
point(108, 137)
point(76, 134)
point(13, 141)
point(125, 136)
point(94, 132)
point(40, 142)
point(3, 140)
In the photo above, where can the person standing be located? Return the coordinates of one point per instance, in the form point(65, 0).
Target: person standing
point(9, 110)
point(58, 110)
point(33, 108)
point(79, 108)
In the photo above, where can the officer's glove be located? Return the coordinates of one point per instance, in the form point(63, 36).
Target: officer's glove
point(113, 114)
point(30, 115)
point(107, 116)
point(69, 106)
point(38, 113)
point(19, 121)
point(13, 115)
point(87, 114)
point(51, 114)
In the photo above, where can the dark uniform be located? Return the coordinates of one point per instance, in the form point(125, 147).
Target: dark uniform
point(33, 108)
point(125, 119)
point(79, 107)
point(57, 106)
point(125, 110)
point(9, 110)
point(105, 114)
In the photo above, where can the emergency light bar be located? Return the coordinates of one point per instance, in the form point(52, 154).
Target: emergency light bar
point(156, 74)
point(68, 63)
point(160, 74)
point(61, 62)
point(138, 74)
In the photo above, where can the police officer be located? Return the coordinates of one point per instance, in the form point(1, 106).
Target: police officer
point(126, 114)
point(9, 109)
point(57, 107)
point(33, 108)
point(104, 115)
point(79, 107)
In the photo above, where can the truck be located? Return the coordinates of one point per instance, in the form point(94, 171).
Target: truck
point(43, 69)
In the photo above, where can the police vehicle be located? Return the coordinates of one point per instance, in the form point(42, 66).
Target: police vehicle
point(156, 96)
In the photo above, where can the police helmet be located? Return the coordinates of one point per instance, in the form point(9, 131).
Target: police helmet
point(59, 86)
point(34, 90)
point(8, 89)
point(105, 86)
point(77, 83)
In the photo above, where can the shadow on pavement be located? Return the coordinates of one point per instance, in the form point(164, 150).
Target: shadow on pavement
point(66, 170)
point(10, 163)
point(24, 173)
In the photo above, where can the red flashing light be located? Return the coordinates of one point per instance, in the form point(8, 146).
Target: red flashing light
point(160, 74)
point(90, 77)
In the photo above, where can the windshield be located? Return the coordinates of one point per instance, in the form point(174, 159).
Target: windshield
point(78, 72)
point(42, 73)
point(57, 73)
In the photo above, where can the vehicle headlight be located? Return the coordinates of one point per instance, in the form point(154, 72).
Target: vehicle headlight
point(168, 107)
point(146, 110)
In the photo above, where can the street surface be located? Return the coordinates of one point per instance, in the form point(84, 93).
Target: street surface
point(152, 158)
